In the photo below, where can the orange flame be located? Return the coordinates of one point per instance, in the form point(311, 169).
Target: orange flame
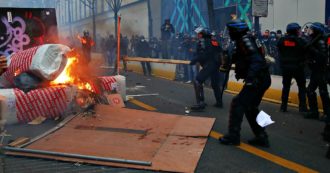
point(67, 76)
point(17, 72)
point(82, 40)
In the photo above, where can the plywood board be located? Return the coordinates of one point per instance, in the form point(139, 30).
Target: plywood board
point(131, 134)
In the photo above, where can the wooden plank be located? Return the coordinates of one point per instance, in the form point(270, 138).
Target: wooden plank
point(3, 112)
point(19, 141)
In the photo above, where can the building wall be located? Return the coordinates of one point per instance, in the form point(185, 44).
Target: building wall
point(156, 8)
point(282, 12)
point(134, 15)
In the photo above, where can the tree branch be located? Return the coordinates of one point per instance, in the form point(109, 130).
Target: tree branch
point(114, 5)
point(87, 5)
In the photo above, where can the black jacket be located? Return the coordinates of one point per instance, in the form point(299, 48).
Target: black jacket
point(167, 30)
point(207, 53)
point(292, 52)
point(249, 63)
point(318, 54)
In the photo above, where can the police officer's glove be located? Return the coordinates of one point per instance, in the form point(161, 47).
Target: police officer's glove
point(192, 62)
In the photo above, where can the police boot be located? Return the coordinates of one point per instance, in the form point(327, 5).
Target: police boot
point(302, 103)
point(284, 107)
point(326, 132)
point(218, 104)
point(230, 139)
point(303, 109)
point(235, 119)
point(260, 140)
point(312, 115)
point(199, 92)
point(198, 107)
point(312, 101)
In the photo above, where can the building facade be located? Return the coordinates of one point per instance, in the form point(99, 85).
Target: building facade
point(144, 16)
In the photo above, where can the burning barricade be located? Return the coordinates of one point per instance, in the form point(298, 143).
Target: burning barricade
point(48, 81)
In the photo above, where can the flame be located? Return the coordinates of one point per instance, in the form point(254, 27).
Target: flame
point(67, 76)
point(82, 40)
point(17, 72)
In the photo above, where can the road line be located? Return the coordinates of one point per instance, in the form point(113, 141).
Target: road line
point(268, 156)
point(248, 148)
point(143, 105)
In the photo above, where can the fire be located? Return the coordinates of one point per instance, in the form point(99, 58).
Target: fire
point(17, 72)
point(67, 76)
point(82, 40)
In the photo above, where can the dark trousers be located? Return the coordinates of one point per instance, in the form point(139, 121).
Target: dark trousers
point(146, 67)
point(213, 72)
point(287, 76)
point(247, 102)
point(166, 49)
point(318, 80)
point(124, 64)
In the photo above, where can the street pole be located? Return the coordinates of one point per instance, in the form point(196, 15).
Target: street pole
point(257, 26)
point(151, 34)
point(118, 45)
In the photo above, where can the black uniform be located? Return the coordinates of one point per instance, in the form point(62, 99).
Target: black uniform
point(317, 63)
point(292, 62)
point(250, 66)
point(143, 50)
point(207, 55)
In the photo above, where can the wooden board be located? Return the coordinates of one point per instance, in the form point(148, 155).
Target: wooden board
point(131, 134)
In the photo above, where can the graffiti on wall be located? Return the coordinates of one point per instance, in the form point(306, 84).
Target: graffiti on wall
point(14, 37)
point(22, 28)
point(185, 14)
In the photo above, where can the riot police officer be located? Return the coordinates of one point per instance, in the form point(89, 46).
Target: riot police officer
point(207, 55)
point(317, 49)
point(87, 43)
point(251, 66)
point(292, 62)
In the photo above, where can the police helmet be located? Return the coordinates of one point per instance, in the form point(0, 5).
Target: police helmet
point(205, 32)
point(237, 28)
point(318, 28)
point(293, 28)
point(86, 33)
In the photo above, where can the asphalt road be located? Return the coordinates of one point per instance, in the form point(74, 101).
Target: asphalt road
point(296, 143)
